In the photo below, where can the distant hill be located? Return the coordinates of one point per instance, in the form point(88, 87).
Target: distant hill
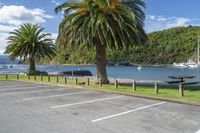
point(163, 47)
point(5, 60)
point(172, 45)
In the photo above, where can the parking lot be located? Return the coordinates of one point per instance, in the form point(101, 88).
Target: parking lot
point(38, 108)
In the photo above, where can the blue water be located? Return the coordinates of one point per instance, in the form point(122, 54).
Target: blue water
point(127, 72)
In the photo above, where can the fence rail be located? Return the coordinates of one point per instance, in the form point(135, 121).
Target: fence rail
point(83, 81)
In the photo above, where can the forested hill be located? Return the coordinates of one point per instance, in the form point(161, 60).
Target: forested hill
point(163, 47)
point(172, 45)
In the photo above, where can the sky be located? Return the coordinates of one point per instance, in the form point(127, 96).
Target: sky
point(160, 14)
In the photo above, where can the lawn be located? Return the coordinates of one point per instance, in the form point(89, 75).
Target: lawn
point(192, 94)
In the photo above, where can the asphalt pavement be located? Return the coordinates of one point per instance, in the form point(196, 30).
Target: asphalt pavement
point(38, 108)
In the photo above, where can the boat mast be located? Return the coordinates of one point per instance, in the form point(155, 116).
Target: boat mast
point(198, 50)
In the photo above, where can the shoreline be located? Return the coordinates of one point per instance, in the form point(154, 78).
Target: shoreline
point(131, 64)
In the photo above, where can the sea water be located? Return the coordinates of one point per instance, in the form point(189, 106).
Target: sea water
point(125, 72)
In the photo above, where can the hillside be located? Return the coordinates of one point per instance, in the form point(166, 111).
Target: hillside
point(163, 47)
point(172, 45)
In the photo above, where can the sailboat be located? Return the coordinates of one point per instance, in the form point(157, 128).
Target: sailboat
point(193, 64)
point(190, 63)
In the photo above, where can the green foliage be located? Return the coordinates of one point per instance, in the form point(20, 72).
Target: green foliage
point(28, 42)
point(115, 24)
point(172, 45)
point(101, 24)
point(163, 47)
point(35, 72)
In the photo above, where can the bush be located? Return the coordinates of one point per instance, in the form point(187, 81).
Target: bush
point(44, 73)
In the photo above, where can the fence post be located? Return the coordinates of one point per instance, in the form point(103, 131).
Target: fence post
point(76, 80)
point(29, 77)
point(116, 84)
point(17, 77)
point(6, 76)
point(156, 88)
point(57, 78)
point(41, 77)
point(49, 79)
point(65, 80)
point(34, 77)
point(88, 81)
point(134, 85)
point(181, 93)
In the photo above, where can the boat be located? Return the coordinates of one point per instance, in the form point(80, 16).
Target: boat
point(190, 63)
point(139, 67)
point(180, 65)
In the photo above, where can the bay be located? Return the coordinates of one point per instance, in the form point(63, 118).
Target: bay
point(124, 72)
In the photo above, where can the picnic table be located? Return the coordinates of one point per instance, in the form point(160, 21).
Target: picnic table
point(181, 78)
point(181, 81)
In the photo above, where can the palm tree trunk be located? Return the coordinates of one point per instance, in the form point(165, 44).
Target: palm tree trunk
point(101, 62)
point(32, 65)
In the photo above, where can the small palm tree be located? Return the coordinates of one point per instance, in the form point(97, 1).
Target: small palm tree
point(28, 42)
point(101, 24)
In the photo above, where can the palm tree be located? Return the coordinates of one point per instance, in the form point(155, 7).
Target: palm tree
point(101, 24)
point(28, 42)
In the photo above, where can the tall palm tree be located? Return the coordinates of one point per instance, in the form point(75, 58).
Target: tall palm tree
point(29, 42)
point(101, 24)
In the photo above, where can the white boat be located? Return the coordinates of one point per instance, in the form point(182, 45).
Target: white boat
point(190, 63)
point(139, 67)
point(180, 65)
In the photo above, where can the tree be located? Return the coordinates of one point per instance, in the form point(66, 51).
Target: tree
point(101, 24)
point(29, 42)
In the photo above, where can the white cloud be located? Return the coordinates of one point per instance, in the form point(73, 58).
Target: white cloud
point(54, 35)
point(156, 23)
point(11, 16)
point(55, 2)
point(198, 131)
point(178, 22)
point(7, 28)
point(16, 15)
point(3, 42)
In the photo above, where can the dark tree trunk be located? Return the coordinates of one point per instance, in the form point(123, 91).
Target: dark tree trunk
point(32, 65)
point(101, 62)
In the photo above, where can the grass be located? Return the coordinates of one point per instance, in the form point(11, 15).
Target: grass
point(192, 94)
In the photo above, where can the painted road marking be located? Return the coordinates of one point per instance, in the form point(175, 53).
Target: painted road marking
point(198, 131)
point(126, 112)
point(85, 102)
point(16, 85)
point(18, 93)
point(22, 88)
point(52, 96)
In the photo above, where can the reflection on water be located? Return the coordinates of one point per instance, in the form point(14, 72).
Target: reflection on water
point(127, 72)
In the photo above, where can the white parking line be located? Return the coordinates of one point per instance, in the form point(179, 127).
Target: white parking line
point(198, 131)
point(22, 88)
point(18, 93)
point(123, 113)
point(85, 102)
point(16, 85)
point(52, 96)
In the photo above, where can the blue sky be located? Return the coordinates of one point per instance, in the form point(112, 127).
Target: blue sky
point(160, 14)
